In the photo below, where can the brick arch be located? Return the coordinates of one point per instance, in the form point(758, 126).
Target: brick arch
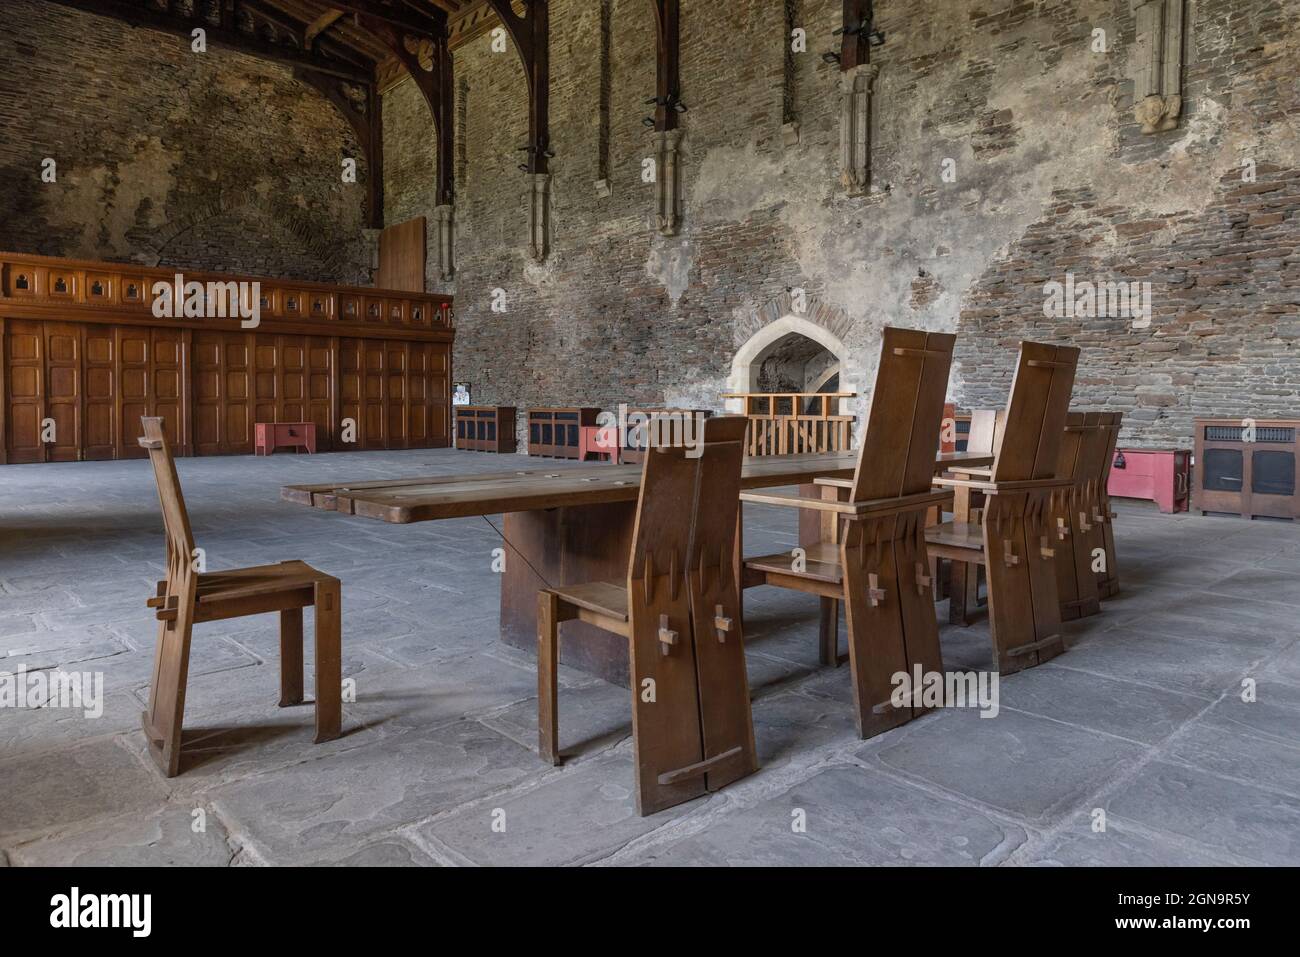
point(825, 324)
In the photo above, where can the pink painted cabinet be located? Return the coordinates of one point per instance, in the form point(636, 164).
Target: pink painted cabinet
point(1159, 475)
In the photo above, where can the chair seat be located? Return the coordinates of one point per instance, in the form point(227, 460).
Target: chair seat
point(258, 580)
point(822, 563)
point(957, 535)
point(605, 598)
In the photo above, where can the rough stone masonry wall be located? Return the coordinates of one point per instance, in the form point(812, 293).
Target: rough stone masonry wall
point(165, 156)
point(1052, 174)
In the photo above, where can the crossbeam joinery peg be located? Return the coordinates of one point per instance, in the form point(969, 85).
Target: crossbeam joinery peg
point(1062, 528)
point(1009, 553)
point(721, 623)
point(875, 593)
point(667, 637)
point(1044, 547)
point(922, 579)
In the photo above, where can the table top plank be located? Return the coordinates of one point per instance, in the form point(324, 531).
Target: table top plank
point(428, 498)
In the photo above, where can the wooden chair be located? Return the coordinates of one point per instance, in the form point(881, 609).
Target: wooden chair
point(1079, 461)
point(187, 597)
point(1023, 517)
point(1108, 580)
point(879, 566)
point(963, 579)
point(679, 610)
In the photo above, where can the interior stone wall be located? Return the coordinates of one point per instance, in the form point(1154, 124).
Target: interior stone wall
point(165, 156)
point(1051, 174)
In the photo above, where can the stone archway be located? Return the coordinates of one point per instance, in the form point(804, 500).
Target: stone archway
point(745, 364)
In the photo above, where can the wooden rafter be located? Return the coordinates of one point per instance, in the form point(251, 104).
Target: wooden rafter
point(855, 34)
point(531, 36)
point(226, 33)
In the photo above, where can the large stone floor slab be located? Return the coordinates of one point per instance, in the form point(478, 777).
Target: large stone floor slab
point(1142, 717)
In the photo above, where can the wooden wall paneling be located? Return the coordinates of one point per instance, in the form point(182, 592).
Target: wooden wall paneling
point(134, 387)
point(237, 372)
point(417, 395)
point(99, 379)
point(349, 388)
point(4, 395)
point(208, 393)
point(265, 378)
point(372, 395)
point(169, 395)
point(318, 389)
point(25, 398)
point(402, 253)
point(439, 366)
point(63, 388)
point(397, 396)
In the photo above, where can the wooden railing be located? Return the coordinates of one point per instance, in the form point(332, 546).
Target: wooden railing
point(792, 423)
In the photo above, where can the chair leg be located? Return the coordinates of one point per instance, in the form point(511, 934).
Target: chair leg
point(329, 660)
point(829, 633)
point(548, 658)
point(290, 657)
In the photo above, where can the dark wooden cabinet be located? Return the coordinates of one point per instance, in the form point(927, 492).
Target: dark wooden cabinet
point(83, 357)
point(1247, 467)
point(485, 428)
point(557, 431)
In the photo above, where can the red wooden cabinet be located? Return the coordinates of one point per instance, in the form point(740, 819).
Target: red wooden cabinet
point(1159, 475)
point(284, 435)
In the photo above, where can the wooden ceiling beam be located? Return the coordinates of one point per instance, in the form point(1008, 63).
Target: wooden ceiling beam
point(667, 63)
point(225, 36)
point(320, 25)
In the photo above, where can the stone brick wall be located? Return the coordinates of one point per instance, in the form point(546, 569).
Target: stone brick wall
point(209, 160)
point(1052, 174)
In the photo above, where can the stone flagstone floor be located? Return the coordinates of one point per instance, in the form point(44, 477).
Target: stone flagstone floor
point(1142, 718)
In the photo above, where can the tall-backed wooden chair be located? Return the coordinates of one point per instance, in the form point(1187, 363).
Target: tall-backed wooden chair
point(680, 612)
point(1023, 519)
point(1108, 579)
point(187, 597)
point(968, 504)
point(879, 567)
point(1079, 461)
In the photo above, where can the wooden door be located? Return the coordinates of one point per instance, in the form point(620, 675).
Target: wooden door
point(169, 389)
point(99, 403)
point(350, 393)
point(371, 422)
point(237, 369)
point(318, 390)
point(134, 387)
point(396, 396)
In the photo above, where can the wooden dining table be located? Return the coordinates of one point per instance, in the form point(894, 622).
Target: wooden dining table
point(565, 525)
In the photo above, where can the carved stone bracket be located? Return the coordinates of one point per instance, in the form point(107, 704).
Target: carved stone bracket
point(540, 216)
point(445, 224)
point(667, 182)
point(1157, 87)
point(855, 126)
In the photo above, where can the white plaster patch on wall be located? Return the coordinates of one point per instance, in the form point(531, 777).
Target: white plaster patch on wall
point(670, 262)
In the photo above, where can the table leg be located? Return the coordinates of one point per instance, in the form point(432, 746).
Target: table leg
point(565, 546)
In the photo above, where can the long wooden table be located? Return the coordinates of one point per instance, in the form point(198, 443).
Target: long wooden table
point(569, 524)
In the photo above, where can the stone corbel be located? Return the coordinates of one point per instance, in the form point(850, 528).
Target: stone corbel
point(540, 216)
point(667, 181)
point(444, 222)
point(1157, 87)
point(855, 126)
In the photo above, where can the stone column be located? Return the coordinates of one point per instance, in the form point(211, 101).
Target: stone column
point(667, 176)
point(444, 222)
point(855, 126)
point(540, 207)
point(1157, 86)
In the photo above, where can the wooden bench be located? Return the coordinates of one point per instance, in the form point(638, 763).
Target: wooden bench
point(188, 596)
point(878, 565)
point(679, 610)
point(1023, 518)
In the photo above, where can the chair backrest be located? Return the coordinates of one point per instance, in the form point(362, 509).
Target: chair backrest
point(897, 454)
point(1111, 422)
point(1071, 459)
point(1029, 443)
point(661, 536)
point(176, 521)
point(717, 500)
